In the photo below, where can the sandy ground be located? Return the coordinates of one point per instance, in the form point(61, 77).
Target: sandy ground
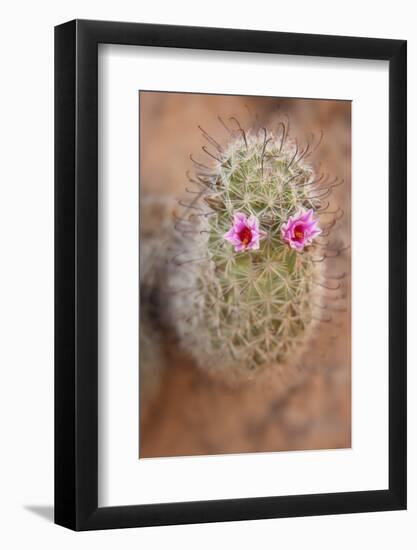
point(183, 411)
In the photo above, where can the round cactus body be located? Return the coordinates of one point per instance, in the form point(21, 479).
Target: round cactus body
point(247, 277)
point(155, 217)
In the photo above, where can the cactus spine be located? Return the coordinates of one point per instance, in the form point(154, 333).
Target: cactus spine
point(241, 310)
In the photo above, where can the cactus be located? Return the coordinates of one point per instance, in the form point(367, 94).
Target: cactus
point(248, 280)
point(155, 218)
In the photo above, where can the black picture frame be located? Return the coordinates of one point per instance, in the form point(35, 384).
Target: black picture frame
point(76, 272)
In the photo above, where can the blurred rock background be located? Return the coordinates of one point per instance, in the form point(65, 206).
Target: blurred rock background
point(183, 411)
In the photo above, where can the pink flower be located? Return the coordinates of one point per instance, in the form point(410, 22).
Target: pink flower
point(301, 229)
point(244, 233)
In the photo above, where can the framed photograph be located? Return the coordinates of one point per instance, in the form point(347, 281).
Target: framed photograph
point(230, 253)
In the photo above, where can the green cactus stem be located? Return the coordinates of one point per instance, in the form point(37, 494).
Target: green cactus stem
point(246, 309)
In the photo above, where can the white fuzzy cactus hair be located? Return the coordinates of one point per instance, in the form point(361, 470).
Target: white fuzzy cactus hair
point(248, 280)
